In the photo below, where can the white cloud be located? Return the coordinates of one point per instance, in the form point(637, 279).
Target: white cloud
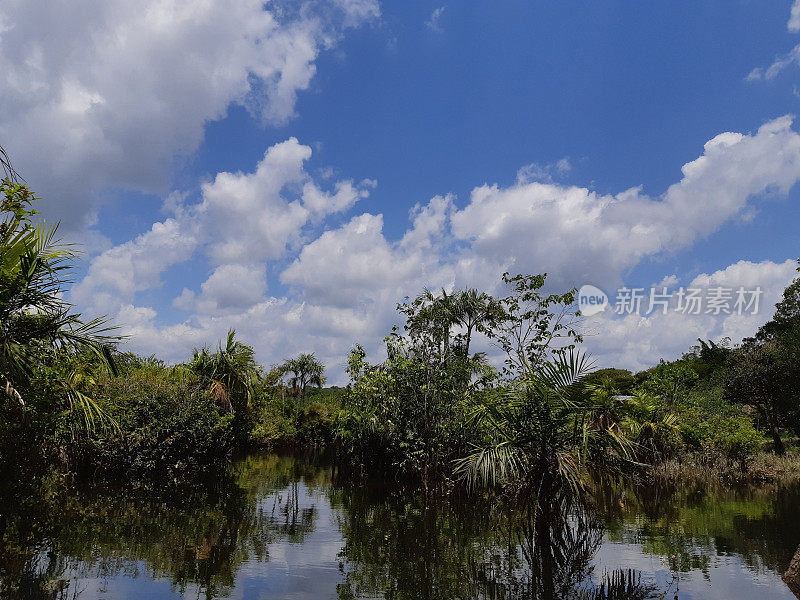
point(544, 173)
point(580, 236)
point(243, 220)
point(356, 266)
point(637, 342)
point(118, 273)
point(232, 287)
point(794, 17)
point(434, 22)
point(778, 65)
point(782, 62)
point(668, 281)
point(102, 93)
point(342, 283)
point(358, 11)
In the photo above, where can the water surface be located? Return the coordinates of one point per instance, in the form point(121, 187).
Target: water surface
point(285, 529)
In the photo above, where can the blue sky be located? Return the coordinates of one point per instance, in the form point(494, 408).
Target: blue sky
point(123, 120)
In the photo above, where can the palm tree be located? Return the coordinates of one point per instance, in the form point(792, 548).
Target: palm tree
point(306, 370)
point(37, 327)
point(607, 405)
point(435, 316)
point(473, 309)
point(230, 372)
point(546, 437)
point(649, 426)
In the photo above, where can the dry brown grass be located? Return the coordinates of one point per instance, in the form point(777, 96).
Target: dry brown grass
point(714, 470)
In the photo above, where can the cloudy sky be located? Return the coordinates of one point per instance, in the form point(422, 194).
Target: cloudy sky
point(294, 169)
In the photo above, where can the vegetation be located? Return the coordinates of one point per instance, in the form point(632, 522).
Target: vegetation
point(305, 370)
point(229, 373)
point(38, 330)
point(547, 434)
point(538, 430)
point(436, 411)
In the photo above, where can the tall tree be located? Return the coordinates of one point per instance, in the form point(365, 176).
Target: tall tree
point(37, 327)
point(230, 372)
point(432, 316)
point(786, 321)
point(765, 372)
point(534, 325)
point(473, 311)
point(765, 376)
point(305, 370)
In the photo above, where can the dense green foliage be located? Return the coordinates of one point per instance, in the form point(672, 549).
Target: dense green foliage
point(38, 329)
point(304, 370)
point(229, 373)
point(170, 427)
point(436, 410)
point(71, 404)
point(49, 357)
point(432, 408)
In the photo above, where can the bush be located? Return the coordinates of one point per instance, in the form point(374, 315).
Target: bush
point(281, 418)
point(706, 422)
point(273, 422)
point(169, 427)
point(734, 436)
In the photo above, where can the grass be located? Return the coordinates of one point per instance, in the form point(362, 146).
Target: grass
point(714, 470)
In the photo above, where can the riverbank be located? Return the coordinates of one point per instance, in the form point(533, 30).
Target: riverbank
point(704, 469)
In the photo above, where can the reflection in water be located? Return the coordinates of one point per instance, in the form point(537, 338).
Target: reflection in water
point(473, 549)
point(284, 527)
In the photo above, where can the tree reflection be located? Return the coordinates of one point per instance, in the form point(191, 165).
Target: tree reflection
point(197, 539)
point(395, 543)
point(478, 547)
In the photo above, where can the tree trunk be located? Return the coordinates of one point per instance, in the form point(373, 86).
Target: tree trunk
point(792, 575)
point(780, 450)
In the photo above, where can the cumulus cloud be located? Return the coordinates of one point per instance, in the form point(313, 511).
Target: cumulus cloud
point(118, 273)
point(339, 282)
point(638, 341)
point(794, 17)
point(232, 287)
point(242, 221)
point(579, 235)
point(356, 265)
point(101, 93)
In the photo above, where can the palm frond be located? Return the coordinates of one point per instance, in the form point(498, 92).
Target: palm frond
point(490, 466)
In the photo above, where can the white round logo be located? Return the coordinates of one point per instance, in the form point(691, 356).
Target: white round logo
point(591, 300)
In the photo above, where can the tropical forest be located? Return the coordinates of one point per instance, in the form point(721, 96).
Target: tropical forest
point(102, 448)
point(371, 300)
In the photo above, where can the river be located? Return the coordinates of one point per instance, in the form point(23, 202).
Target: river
point(284, 527)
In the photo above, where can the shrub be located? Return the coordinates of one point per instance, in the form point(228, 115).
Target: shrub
point(273, 422)
point(316, 422)
point(169, 427)
point(734, 436)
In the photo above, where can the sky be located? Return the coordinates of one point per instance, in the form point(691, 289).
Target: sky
point(294, 169)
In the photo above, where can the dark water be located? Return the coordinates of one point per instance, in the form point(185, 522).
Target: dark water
point(285, 530)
